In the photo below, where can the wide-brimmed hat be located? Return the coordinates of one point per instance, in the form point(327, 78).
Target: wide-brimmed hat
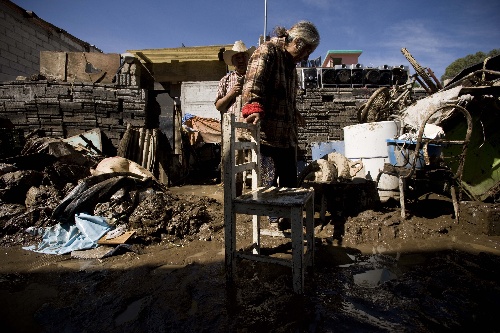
point(238, 47)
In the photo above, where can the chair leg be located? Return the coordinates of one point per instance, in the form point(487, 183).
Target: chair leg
point(230, 245)
point(455, 202)
point(322, 212)
point(310, 231)
point(402, 185)
point(297, 250)
point(256, 234)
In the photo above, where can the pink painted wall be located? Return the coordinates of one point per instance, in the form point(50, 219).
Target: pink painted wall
point(346, 58)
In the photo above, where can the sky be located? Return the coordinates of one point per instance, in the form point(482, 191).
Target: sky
point(435, 32)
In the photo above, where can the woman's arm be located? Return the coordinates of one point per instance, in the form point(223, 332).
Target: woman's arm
point(257, 77)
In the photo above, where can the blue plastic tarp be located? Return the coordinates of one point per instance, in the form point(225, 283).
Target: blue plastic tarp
point(64, 238)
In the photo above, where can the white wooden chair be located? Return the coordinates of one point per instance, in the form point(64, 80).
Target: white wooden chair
point(263, 201)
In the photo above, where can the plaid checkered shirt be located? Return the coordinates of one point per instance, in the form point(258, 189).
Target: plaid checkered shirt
point(270, 88)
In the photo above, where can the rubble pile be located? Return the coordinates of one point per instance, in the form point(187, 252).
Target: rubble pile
point(51, 181)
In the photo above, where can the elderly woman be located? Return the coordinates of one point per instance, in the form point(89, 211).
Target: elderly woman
point(269, 97)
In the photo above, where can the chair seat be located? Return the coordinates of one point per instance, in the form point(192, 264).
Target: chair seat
point(277, 196)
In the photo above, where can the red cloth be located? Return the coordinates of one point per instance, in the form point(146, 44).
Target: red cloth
point(248, 109)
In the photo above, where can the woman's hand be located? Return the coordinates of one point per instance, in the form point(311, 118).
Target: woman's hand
point(254, 118)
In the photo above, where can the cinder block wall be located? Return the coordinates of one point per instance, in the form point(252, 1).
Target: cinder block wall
point(66, 109)
point(24, 35)
point(327, 111)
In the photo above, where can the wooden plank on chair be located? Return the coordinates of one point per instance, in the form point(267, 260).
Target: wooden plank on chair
point(275, 233)
point(244, 125)
point(244, 167)
point(279, 196)
point(244, 145)
point(250, 208)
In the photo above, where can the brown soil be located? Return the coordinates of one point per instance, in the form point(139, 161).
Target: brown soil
point(374, 272)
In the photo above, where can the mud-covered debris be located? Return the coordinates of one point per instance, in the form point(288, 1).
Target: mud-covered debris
point(9, 211)
point(480, 217)
point(62, 151)
point(151, 215)
point(61, 174)
point(51, 181)
point(15, 185)
point(6, 168)
point(375, 226)
point(114, 211)
point(15, 219)
point(165, 214)
point(42, 196)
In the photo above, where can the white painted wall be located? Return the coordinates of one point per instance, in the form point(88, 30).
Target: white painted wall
point(197, 98)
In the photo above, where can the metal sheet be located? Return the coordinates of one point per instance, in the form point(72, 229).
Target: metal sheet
point(91, 140)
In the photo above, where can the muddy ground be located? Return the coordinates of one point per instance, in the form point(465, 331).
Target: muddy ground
point(385, 274)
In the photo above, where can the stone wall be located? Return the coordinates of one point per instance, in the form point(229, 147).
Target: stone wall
point(327, 111)
point(24, 35)
point(66, 109)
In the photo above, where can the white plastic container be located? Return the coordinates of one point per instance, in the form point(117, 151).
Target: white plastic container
point(372, 166)
point(368, 143)
point(369, 140)
point(388, 187)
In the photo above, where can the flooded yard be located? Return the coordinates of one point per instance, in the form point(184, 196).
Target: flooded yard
point(436, 282)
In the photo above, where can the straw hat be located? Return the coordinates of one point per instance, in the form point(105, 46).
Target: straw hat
point(238, 47)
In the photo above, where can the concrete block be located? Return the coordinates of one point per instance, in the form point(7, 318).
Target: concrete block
point(56, 91)
point(74, 119)
point(48, 110)
point(109, 121)
point(135, 122)
point(53, 64)
point(93, 66)
point(35, 91)
point(69, 106)
point(14, 105)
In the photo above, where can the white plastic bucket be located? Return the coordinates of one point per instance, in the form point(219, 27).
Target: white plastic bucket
point(369, 140)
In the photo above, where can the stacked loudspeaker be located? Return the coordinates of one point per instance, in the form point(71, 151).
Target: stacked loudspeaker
point(354, 75)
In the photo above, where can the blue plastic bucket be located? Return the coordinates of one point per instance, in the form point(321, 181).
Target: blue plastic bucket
point(402, 153)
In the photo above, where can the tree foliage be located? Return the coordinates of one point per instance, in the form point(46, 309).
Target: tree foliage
point(458, 65)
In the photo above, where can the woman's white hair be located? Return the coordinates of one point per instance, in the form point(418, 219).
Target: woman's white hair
point(304, 31)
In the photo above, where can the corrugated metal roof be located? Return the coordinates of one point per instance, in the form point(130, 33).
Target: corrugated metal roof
point(181, 54)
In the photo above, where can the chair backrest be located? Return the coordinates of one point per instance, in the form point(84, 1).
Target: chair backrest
point(238, 138)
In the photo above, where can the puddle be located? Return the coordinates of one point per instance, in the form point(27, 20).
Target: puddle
point(374, 277)
point(379, 269)
point(79, 265)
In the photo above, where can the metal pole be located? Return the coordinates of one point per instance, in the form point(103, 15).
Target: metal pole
point(265, 21)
